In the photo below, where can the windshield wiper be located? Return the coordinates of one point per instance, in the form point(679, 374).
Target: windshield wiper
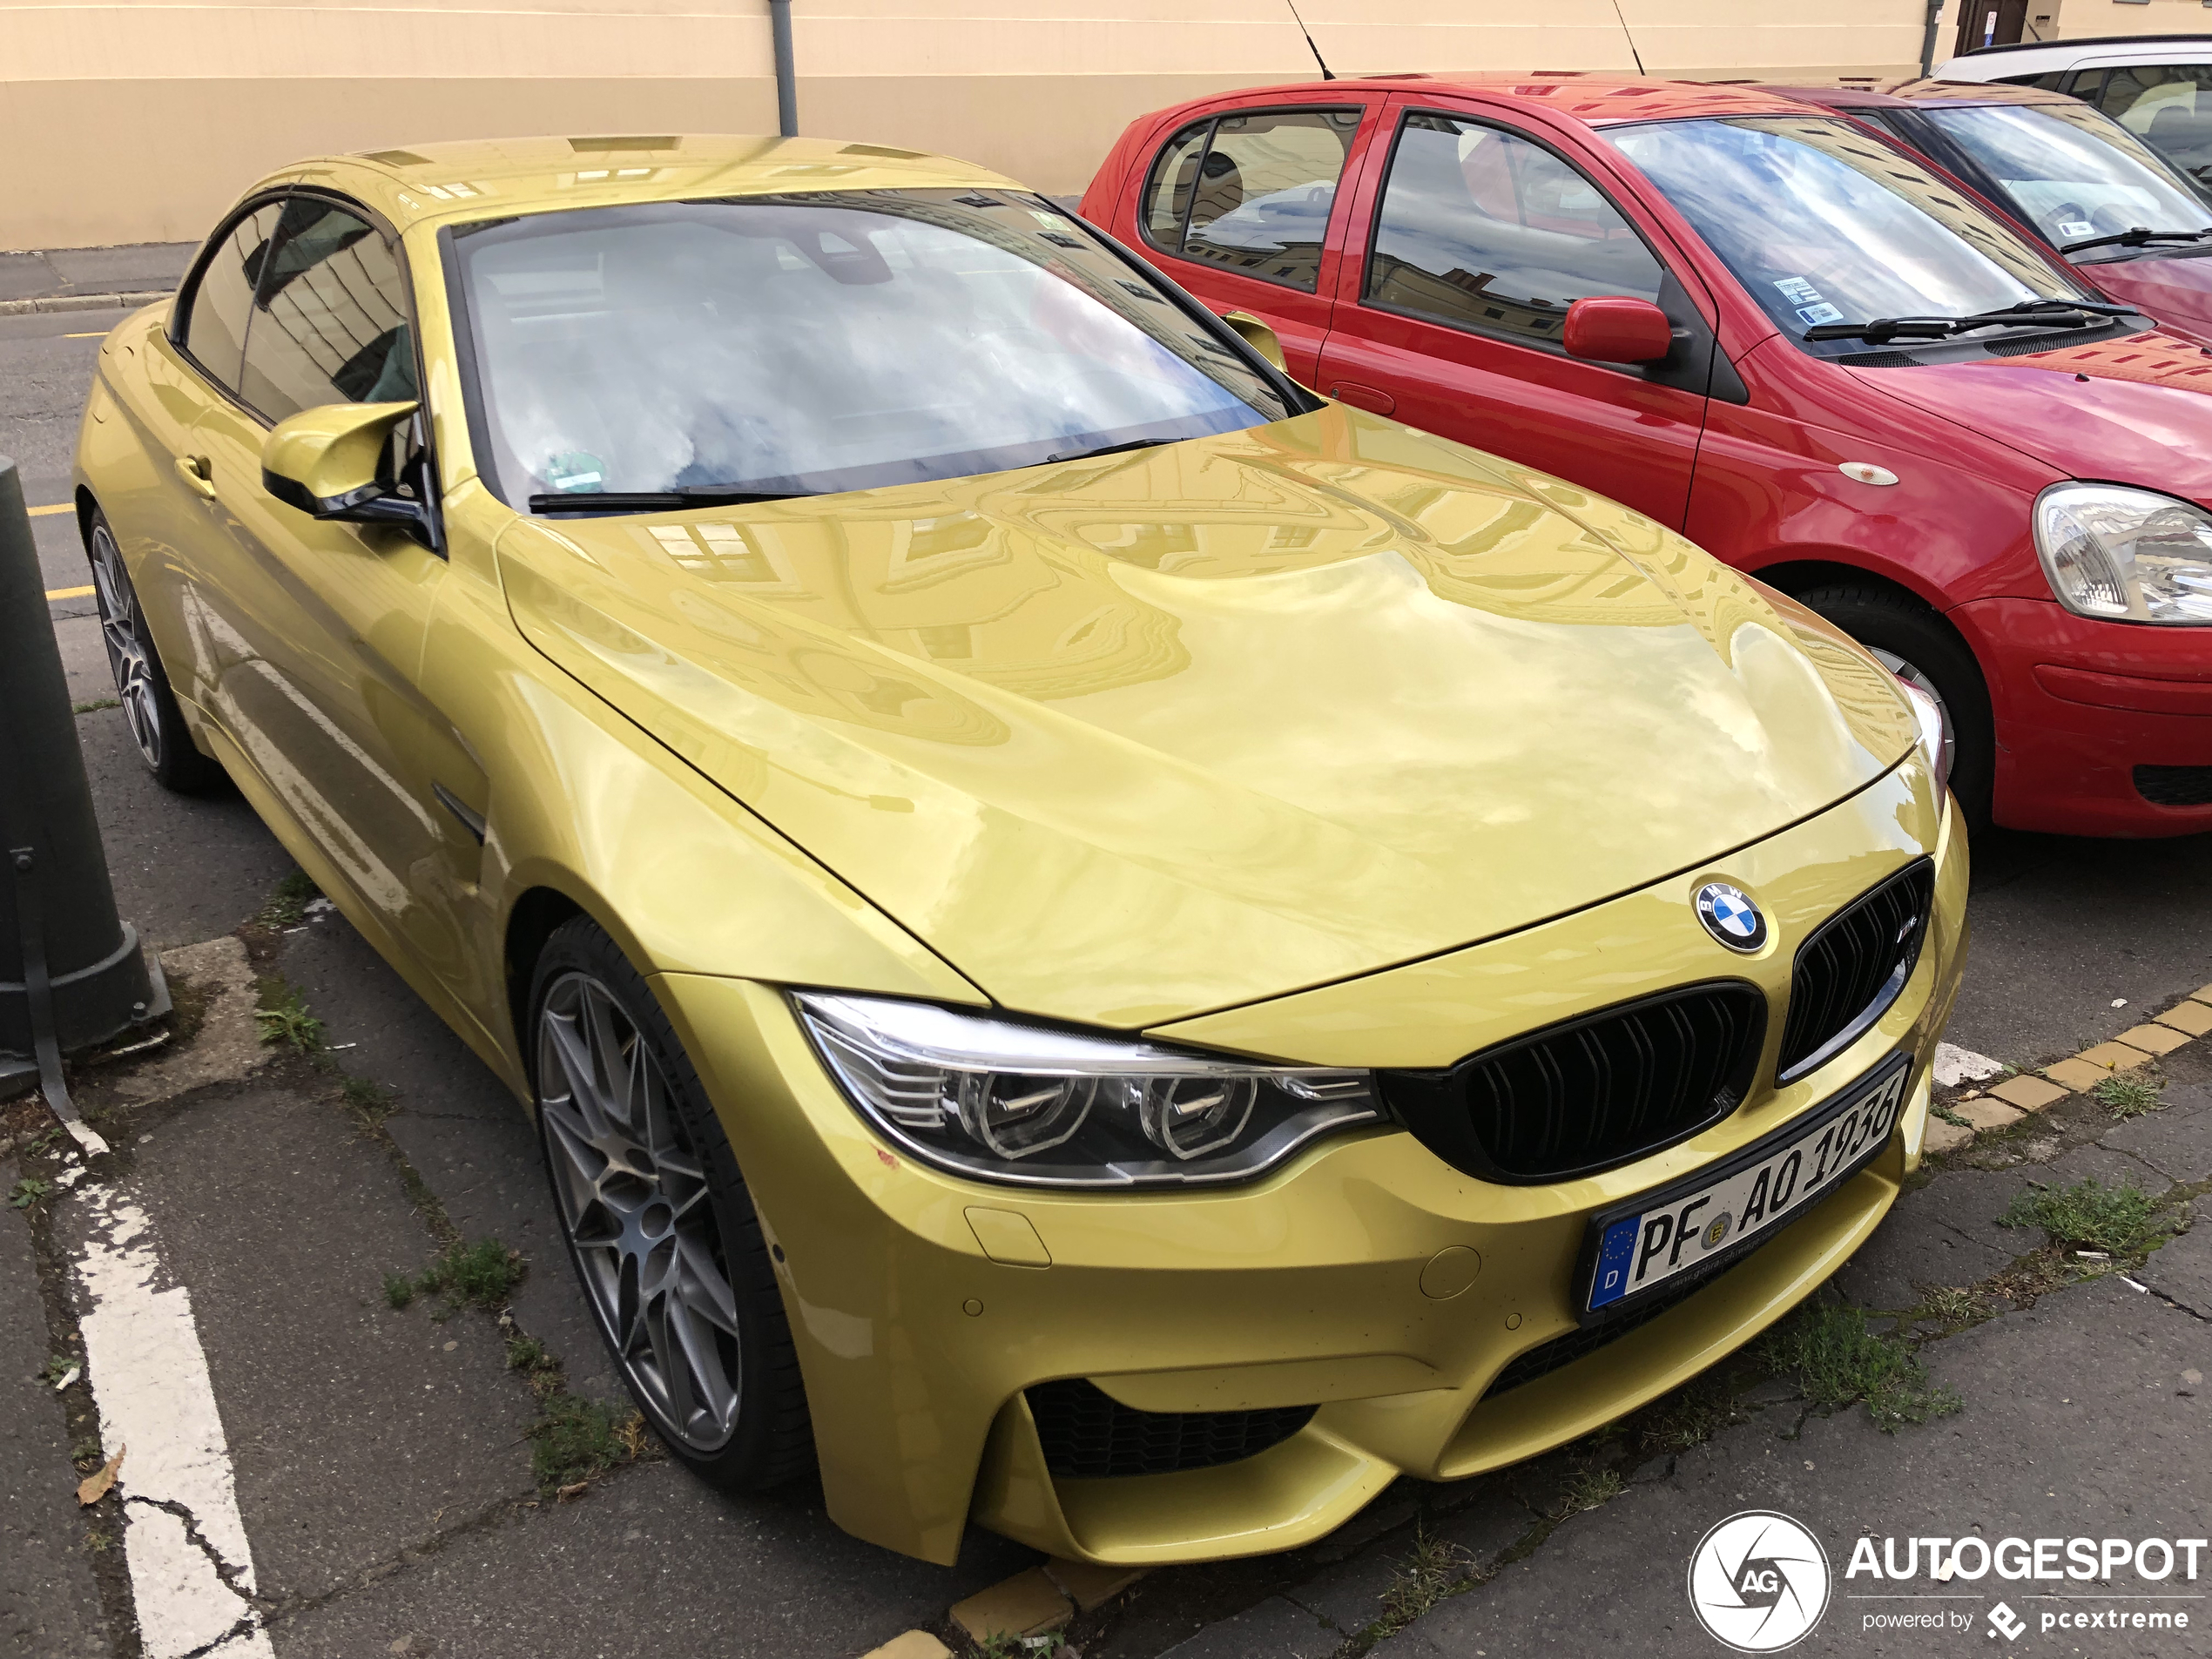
point(653, 500)
point(1112, 449)
point(2137, 237)
point(2051, 314)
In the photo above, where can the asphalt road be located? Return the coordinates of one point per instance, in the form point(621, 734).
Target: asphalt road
point(382, 1466)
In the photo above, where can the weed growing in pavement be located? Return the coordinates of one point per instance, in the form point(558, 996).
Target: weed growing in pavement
point(1952, 1308)
point(998, 1645)
point(58, 1367)
point(2126, 1097)
point(482, 1274)
point(399, 1289)
point(283, 1017)
point(1838, 1360)
point(28, 1191)
point(368, 1103)
point(1434, 1570)
point(1590, 1489)
point(2121, 1219)
point(96, 706)
point(578, 1438)
point(288, 906)
point(1950, 1115)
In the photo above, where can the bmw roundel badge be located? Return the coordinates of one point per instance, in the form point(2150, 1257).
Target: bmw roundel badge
point(1731, 917)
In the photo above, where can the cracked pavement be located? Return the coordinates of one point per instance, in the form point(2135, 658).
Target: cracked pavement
point(380, 1456)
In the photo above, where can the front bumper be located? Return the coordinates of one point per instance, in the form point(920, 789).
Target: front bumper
point(2080, 704)
point(1304, 1288)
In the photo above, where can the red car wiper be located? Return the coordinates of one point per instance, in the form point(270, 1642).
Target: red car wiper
point(2048, 314)
point(2136, 238)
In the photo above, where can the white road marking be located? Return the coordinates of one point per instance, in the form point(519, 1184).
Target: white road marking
point(1955, 1065)
point(149, 1378)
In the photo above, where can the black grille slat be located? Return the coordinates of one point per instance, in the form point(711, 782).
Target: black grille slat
point(2174, 786)
point(1853, 965)
point(1088, 1434)
point(1590, 1093)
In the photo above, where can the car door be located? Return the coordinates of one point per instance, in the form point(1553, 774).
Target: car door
point(1462, 258)
point(1239, 206)
point(322, 690)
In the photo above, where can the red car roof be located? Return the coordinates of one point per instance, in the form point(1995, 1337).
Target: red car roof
point(1593, 95)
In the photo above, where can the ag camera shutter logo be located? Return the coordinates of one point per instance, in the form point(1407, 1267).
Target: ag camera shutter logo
point(1758, 1581)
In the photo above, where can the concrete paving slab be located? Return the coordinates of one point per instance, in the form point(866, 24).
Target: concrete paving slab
point(2088, 1380)
point(2177, 1141)
point(185, 867)
point(465, 1134)
point(1274, 1629)
point(2106, 1165)
point(1349, 1595)
point(1968, 1202)
point(1915, 1245)
point(50, 1606)
point(652, 1561)
point(2180, 1271)
point(356, 1430)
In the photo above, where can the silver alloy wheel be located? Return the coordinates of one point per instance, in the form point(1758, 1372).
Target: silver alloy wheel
point(127, 658)
point(633, 1196)
point(1918, 678)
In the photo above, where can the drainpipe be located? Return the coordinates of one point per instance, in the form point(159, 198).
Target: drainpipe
point(786, 75)
point(1927, 40)
point(71, 973)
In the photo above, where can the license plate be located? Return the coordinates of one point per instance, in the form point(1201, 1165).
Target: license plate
point(1658, 1236)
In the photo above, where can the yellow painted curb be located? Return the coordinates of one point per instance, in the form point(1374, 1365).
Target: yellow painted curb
point(67, 593)
point(1029, 1604)
point(43, 512)
point(914, 1644)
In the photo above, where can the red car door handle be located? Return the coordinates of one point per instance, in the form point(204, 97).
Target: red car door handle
point(1363, 397)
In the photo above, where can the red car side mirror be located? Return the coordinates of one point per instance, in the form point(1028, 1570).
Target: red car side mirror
point(1617, 329)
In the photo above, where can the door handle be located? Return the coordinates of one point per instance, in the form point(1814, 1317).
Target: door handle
point(1373, 399)
point(197, 474)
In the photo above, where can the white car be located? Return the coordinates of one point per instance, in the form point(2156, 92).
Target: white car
point(2157, 86)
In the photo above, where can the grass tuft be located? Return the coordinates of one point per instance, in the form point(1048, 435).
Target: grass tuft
point(1838, 1361)
point(577, 1438)
point(2126, 1097)
point(398, 1288)
point(283, 1017)
point(368, 1103)
point(28, 1191)
point(480, 1274)
point(1590, 1489)
point(288, 906)
point(2121, 1220)
point(1430, 1574)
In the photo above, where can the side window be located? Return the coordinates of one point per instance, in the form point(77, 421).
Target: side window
point(1257, 201)
point(2168, 106)
point(215, 329)
point(330, 316)
point(1483, 230)
point(1167, 198)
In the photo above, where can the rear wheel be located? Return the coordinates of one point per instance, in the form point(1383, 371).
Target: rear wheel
point(1920, 648)
point(150, 708)
point(658, 1221)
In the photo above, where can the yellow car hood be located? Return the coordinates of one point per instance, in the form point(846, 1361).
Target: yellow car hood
point(1130, 739)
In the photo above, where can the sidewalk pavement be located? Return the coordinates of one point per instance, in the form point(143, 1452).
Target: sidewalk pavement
point(87, 279)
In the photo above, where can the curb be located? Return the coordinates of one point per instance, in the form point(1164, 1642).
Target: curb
point(2006, 1103)
point(81, 302)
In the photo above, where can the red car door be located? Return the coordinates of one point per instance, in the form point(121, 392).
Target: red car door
point(1463, 251)
point(1244, 206)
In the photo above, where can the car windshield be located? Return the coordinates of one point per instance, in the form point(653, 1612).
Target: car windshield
point(1823, 223)
point(2076, 174)
point(807, 344)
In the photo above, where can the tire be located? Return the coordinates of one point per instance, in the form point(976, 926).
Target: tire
point(659, 1225)
point(1919, 646)
point(150, 710)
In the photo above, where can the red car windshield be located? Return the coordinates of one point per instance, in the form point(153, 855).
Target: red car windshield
point(1825, 223)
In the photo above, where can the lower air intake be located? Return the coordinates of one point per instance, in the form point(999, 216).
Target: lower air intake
point(1592, 1092)
point(2174, 786)
point(1088, 1434)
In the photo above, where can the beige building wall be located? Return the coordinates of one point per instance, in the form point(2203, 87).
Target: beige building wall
point(138, 120)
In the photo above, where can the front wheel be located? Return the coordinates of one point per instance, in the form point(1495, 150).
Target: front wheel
point(1921, 649)
point(150, 710)
point(658, 1221)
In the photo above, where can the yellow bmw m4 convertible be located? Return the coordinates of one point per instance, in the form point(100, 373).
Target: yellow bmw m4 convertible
point(1100, 946)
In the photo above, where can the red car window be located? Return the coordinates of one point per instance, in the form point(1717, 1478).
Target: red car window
point(1251, 192)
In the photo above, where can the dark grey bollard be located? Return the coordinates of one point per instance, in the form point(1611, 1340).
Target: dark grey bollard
point(72, 973)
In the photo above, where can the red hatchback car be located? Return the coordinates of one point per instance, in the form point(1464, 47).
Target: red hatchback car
point(1760, 324)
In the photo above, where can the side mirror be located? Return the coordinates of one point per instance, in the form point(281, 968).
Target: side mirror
point(326, 462)
point(1257, 335)
point(1617, 329)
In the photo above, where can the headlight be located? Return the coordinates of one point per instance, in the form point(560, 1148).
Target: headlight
point(1935, 732)
point(1038, 1107)
point(2126, 554)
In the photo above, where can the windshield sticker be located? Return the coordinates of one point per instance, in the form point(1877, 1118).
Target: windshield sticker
point(2076, 227)
point(575, 470)
point(1813, 316)
point(1798, 292)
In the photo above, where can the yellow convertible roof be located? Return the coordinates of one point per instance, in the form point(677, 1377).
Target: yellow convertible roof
point(491, 178)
